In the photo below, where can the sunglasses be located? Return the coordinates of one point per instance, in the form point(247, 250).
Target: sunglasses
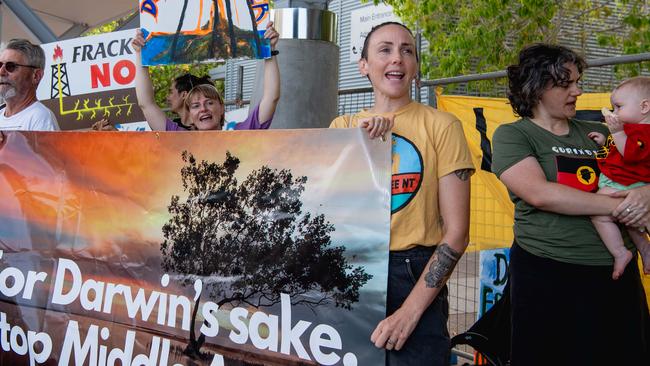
point(11, 66)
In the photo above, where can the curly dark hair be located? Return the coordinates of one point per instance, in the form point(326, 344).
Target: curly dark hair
point(539, 65)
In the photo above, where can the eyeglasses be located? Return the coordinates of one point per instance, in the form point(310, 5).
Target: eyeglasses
point(11, 66)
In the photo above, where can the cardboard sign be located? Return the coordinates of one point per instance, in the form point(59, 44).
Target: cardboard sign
point(90, 78)
point(180, 32)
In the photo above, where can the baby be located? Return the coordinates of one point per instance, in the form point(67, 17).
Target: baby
point(626, 165)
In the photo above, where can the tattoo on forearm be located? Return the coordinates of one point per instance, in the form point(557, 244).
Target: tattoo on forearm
point(443, 263)
point(463, 174)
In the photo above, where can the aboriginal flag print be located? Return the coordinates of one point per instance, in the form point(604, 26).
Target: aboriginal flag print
point(579, 173)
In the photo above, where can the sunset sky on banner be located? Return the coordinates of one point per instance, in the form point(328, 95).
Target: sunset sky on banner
point(114, 187)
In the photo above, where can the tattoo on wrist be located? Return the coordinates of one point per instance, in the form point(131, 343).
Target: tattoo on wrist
point(443, 263)
point(463, 174)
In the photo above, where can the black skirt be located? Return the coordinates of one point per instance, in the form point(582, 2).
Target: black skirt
point(569, 314)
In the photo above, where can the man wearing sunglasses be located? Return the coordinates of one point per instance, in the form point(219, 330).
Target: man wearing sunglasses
point(21, 69)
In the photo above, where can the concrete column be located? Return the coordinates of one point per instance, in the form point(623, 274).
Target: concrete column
point(309, 68)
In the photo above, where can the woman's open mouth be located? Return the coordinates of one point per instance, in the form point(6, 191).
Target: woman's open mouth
point(394, 75)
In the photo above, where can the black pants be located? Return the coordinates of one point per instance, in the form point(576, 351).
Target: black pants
point(429, 344)
point(568, 314)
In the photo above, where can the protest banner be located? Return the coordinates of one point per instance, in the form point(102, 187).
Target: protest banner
point(90, 78)
point(180, 32)
point(202, 248)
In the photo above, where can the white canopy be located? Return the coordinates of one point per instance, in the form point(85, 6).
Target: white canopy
point(63, 18)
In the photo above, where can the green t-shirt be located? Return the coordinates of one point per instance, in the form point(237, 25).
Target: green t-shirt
point(569, 159)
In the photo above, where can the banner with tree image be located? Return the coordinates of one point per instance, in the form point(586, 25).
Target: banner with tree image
point(207, 248)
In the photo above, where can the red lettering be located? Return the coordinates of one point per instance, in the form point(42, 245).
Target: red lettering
point(405, 183)
point(102, 76)
point(123, 74)
point(117, 72)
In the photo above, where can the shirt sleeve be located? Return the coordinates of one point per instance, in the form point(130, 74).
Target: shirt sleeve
point(453, 152)
point(509, 146)
point(339, 122)
point(252, 122)
point(637, 146)
point(171, 126)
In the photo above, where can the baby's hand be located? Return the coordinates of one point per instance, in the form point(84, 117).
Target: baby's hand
point(598, 137)
point(606, 112)
point(613, 123)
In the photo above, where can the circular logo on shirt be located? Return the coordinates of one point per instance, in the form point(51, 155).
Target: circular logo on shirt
point(586, 175)
point(406, 172)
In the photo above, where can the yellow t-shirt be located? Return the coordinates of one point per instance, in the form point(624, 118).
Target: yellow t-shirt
point(427, 144)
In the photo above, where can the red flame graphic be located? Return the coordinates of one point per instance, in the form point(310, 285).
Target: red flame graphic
point(58, 53)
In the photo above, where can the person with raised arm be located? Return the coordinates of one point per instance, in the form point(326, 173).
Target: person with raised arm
point(212, 118)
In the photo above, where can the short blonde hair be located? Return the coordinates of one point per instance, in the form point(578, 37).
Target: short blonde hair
point(641, 85)
point(209, 91)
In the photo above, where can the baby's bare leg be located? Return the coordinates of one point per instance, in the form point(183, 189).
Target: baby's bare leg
point(611, 236)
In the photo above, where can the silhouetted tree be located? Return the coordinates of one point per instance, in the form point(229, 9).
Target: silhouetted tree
point(252, 241)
